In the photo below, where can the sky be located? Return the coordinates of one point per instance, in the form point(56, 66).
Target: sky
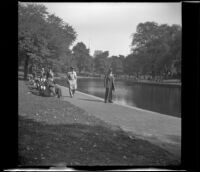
point(109, 26)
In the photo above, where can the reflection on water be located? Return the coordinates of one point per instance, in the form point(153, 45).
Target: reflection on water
point(158, 98)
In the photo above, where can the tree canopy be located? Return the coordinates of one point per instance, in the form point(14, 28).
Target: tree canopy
point(82, 56)
point(42, 37)
point(101, 61)
point(155, 48)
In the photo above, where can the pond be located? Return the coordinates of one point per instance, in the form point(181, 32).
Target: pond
point(165, 99)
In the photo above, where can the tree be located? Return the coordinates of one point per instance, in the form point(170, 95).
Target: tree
point(69, 60)
point(42, 38)
point(101, 61)
point(31, 19)
point(117, 65)
point(132, 65)
point(81, 53)
point(90, 64)
point(155, 47)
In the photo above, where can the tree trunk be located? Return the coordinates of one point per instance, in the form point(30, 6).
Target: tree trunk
point(26, 67)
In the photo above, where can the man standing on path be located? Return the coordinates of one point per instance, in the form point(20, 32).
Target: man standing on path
point(72, 81)
point(109, 85)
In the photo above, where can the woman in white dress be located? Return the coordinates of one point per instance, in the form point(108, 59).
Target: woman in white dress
point(50, 81)
point(72, 81)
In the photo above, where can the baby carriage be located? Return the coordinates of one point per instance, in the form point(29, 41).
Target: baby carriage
point(53, 89)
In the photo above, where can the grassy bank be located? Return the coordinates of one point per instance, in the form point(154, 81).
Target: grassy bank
point(53, 132)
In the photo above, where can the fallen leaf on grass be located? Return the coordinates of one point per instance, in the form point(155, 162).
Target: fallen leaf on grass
point(125, 157)
point(42, 156)
point(132, 138)
point(28, 148)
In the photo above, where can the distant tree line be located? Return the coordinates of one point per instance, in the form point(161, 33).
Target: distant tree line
point(156, 50)
point(45, 40)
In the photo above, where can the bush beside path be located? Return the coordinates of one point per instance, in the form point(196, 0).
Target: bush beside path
point(52, 132)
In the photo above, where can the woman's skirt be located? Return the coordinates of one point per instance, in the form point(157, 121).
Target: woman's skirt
point(72, 84)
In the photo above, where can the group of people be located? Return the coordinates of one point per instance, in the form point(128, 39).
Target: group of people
point(46, 80)
point(43, 80)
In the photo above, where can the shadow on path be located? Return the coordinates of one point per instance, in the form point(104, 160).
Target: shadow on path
point(92, 100)
point(66, 96)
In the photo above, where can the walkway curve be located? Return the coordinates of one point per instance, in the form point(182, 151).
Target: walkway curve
point(159, 129)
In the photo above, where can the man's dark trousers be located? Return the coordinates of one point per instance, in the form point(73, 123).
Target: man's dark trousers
point(108, 94)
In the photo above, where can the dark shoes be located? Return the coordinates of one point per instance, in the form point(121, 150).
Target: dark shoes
point(72, 95)
point(110, 101)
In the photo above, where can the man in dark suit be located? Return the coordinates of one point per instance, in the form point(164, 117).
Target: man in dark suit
point(109, 85)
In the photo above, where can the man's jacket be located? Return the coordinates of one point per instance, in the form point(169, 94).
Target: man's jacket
point(109, 82)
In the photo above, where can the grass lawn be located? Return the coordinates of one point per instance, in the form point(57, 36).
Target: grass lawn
point(53, 132)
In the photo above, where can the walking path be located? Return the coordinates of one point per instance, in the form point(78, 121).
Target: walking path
point(159, 129)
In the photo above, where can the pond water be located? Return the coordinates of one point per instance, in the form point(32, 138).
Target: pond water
point(165, 99)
